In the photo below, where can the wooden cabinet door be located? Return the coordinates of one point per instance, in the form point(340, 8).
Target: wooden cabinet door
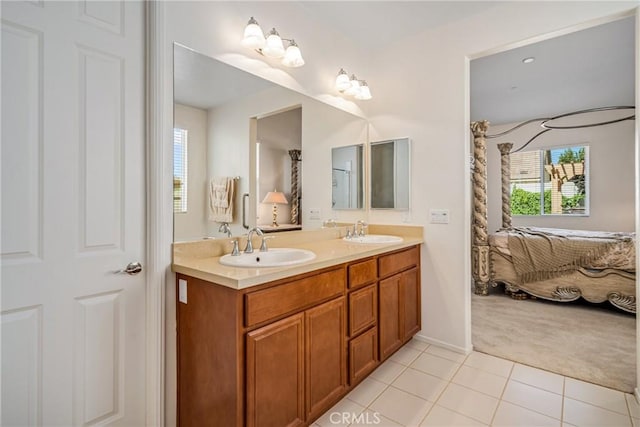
point(326, 361)
point(363, 355)
point(410, 303)
point(389, 321)
point(275, 374)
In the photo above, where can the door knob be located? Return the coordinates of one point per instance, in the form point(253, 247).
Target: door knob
point(132, 269)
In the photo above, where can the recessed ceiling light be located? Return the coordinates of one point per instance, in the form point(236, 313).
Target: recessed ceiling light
point(528, 60)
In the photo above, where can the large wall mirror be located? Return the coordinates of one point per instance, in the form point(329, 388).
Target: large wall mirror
point(347, 177)
point(231, 125)
point(390, 174)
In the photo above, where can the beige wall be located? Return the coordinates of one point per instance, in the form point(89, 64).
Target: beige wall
point(611, 172)
point(193, 224)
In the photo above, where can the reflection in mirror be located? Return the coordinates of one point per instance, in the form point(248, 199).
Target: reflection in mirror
point(347, 177)
point(231, 119)
point(390, 174)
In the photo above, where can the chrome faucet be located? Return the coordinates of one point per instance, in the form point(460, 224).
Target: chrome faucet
point(224, 228)
point(362, 227)
point(249, 248)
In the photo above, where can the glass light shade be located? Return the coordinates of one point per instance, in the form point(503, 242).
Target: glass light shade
point(253, 36)
point(273, 47)
point(342, 81)
point(363, 93)
point(355, 86)
point(293, 56)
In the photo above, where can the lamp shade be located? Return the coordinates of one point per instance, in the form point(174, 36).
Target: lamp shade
point(292, 56)
point(253, 36)
point(363, 93)
point(273, 47)
point(275, 197)
point(342, 80)
point(355, 86)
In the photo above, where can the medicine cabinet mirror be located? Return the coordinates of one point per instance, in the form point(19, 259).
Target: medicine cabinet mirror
point(390, 174)
point(347, 182)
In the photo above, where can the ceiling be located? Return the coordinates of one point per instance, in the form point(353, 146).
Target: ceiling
point(585, 69)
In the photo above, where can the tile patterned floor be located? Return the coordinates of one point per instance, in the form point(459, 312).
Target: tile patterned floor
point(426, 385)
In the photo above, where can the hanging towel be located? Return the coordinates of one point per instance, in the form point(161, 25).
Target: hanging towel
point(221, 193)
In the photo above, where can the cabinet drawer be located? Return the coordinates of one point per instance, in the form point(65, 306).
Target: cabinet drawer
point(363, 309)
point(393, 263)
point(362, 273)
point(363, 355)
point(293, 296)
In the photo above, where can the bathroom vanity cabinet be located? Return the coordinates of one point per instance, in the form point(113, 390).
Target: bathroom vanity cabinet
point(282, 353)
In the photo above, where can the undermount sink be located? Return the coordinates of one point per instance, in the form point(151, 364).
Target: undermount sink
point(275, 257)
point(374, 238)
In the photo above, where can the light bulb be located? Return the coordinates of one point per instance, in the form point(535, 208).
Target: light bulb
point(363, 93)
point(253, 36)
point(342, 81)
point(293, 56)
point(273, 47)
point(355, 86)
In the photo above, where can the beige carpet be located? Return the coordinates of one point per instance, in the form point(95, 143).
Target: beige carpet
point(592, 343)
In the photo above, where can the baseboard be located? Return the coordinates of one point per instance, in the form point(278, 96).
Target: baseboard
point(636, 394)
point(443, 344)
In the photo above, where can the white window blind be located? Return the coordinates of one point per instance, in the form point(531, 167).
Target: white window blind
point(180, 170)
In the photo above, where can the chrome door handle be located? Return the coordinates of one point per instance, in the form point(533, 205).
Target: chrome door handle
point(132, 269)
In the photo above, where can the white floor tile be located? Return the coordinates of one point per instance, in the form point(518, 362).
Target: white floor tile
point(510, 415)
point(481, 381)
point(420, 384)
point(434, 365)
point(440, 416)
point(538, 378)
point(446, 354)
point(367, 391)
point(533, 398)
point(371, 418)
point(401, 407)
point(468, 402)
point(405, 355)
point(417, 344)
point(488, 363)
point(584, 414)
point(388, 371)
point(603, 397)
point(634, 407)
point(340, 414)
point(635, 421)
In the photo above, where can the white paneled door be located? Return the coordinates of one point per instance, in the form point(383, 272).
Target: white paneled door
point(73, 330)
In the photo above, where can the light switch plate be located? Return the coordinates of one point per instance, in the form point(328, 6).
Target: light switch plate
point(439, 216)
point(182, 291)
point(314, 214)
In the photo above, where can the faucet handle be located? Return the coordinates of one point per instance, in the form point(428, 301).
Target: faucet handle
point(235, 251)
point(263, 245)
point(348, 236)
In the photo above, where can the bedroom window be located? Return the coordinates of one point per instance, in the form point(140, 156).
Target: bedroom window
point(179, 170)
point(552, 181)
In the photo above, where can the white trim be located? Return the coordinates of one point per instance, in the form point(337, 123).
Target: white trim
point(158, 257)
point(442, 344)
point(637, 137)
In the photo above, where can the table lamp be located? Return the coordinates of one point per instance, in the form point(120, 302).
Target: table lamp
point(277, 198)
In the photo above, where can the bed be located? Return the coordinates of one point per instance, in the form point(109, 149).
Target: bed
point(554, 264)
point(564, 265)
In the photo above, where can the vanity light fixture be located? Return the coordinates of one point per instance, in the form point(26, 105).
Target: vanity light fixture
point(271, 46)
point(352, 86)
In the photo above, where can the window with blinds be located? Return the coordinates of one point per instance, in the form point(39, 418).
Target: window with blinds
point(180, 170)
point(553, 181)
